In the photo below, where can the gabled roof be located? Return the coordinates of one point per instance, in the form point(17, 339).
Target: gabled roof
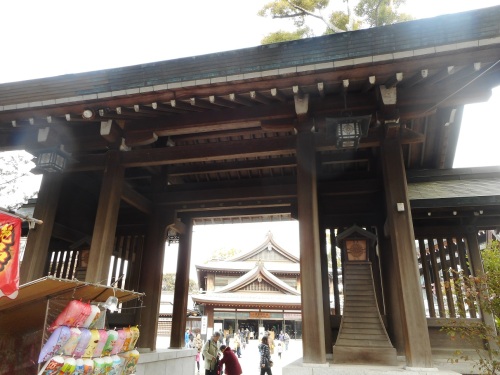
point(260, 300)
point(247, 291)
point(268, 251)
point(258, 274)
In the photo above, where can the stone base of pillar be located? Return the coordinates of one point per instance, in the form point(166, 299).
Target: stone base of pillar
point(355, 355)
point(300, 368)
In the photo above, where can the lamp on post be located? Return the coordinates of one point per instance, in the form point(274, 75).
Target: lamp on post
point(53, 160)
point(355, 242)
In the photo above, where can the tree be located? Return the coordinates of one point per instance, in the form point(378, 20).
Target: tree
point(222, 254)
point(484, 291)
point(369, 12)
point(168, 284)
point(17, 183)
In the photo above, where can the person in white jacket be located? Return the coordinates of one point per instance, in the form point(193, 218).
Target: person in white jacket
point(210, 354)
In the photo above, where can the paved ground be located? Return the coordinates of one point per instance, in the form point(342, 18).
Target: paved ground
point(250, 357)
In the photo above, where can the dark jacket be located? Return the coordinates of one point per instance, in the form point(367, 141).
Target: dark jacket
point(265, 355)
point(229, 359)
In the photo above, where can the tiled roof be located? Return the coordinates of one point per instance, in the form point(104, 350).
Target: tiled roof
point(403, 40)
point(454, 189)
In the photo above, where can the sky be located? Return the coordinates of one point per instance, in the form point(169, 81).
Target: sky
point(56, 37)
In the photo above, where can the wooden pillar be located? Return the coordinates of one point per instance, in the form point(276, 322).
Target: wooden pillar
point(150, 279)
point(478, 271)
point(181, 287)
point(313, 327)
point(326, 292)
point(399, 227)
point(37, 247)
point(103, 237)
point(209, 312)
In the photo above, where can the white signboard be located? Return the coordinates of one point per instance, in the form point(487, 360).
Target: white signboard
point(204, 323)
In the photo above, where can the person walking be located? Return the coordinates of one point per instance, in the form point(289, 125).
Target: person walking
point(237, 344)
point(265, 357)
point(210, 354)
point(280, 349)
point(186, 338)
point(287, 340)
point(198, 344)
point(229, 361)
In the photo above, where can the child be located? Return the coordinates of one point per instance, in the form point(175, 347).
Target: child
point(280, 349)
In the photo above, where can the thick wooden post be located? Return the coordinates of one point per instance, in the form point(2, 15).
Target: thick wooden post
point(313, 327)
point(181, 287)
point(103, 237)
point(37, 247)
point(326, 292)
point(399, 227)
point(478, 271)
point(150, 279)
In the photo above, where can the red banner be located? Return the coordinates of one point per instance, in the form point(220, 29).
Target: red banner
point(10, 236)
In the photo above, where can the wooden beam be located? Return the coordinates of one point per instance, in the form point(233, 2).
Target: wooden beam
point(223, 167)
point(221, 102)
point(416, 79)
point(235, 194)
point(259, 97)
point(189, 107)
point(200, 103)
point(210, 152)
point(136, 199)
point(321, 89)
point(394, 80)
point(241, 100)
point(110, 131)
point(134, 139)
point(160, 107)
point(278, 95)
point(37, 247)
point(369, 84)
point(103, 236)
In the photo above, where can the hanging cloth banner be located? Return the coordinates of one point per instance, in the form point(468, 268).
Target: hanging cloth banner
point(10, 236)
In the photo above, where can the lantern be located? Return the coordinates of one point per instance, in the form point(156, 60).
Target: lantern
point(348, 130)
point(51, 160)
point(355, 242)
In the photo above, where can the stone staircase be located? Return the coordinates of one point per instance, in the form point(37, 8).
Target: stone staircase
point(362, 336)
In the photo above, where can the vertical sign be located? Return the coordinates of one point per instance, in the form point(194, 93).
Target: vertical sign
point(204, 323)
point(10, 236)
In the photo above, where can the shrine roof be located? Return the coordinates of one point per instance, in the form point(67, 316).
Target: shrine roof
point(387, 43)
point(246, 266)
point(248, 299)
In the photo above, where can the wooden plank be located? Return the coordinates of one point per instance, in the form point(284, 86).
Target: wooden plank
point(375, 331)
point(437, 278)
point(37, 247)
point(103, 237)
point(462, 251)
point(457, 282)
point(400, 229)
point(427, 279)
point(446, 277)
point(360, 324)
point(313, 321)
point(363, 343)
point(363, 335)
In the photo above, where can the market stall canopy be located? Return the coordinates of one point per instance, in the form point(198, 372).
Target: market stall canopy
point(27, 312)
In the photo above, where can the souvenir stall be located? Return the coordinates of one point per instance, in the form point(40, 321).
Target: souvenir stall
point(59, 326)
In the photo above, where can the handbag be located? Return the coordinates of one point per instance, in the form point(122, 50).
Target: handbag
point(271, 363)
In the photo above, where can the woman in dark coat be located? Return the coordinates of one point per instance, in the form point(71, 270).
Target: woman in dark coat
point(232, 365)
point(265, 357)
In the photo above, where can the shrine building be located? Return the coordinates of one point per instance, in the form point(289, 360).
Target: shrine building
point(352, 134)
point(257, 290)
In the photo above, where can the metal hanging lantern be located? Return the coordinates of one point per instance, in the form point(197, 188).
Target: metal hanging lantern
point(51, 160)
point(348, 131)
